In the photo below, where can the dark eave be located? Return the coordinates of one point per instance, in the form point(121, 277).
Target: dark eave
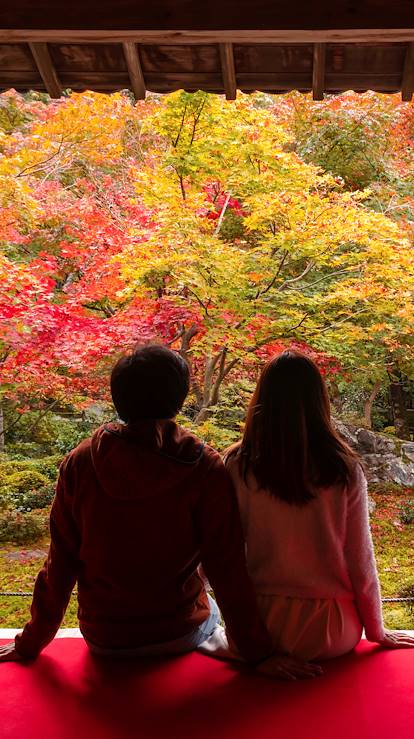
point(324, 47)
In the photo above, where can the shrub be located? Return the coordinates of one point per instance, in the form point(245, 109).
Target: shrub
point(218, 437)
point(36, 498)
point(385, 487)
point(21, 528)
point(23, 449)
point(53, 434)
point(6, 469)
point(408, 592)
point(69, 435)
point(21, 487)
point(25, 480)
point(406, 511)
point(49, 466)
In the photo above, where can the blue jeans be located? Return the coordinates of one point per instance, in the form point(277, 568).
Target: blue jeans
point(186, 643)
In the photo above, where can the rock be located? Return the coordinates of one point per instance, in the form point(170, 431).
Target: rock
point(371, 443)
point(400, 472)
point(371, 505)
point(347, 432)
point(367, 441)
point(385, 459)
point(376, 466)
point(407, 450)
point(27, 554)
point(386, 446)
point(96, 413)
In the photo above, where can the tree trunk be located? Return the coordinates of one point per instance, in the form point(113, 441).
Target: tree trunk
point(369, 404)
point(1, 429)
point(202, 415)
point(399, 410)
point(213, 383)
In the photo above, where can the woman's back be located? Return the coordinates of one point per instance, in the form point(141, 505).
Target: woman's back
point(303, 503)
point(294, 550)
point(313, 566)
point(304, 506)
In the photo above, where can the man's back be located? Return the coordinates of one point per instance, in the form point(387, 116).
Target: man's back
point(138, 507)
point(136, 492)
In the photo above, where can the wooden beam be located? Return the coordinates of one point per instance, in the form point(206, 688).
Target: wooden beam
point(136, 76)
point(407, 84)
point(166, 15)
point(46, 69)
point(77, 36)
point(228, 71)
point(318, 75)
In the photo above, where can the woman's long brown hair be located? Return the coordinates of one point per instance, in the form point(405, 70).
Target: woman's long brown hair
point(289, 443)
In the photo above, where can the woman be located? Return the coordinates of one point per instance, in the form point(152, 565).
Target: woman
point(303, 501)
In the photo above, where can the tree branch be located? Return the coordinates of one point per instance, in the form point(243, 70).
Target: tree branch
point(182, 188)
point(211, 364)
point(38, 166)
point(337, 323)
point(41, 416)
point(200, 302)
point(293, 328)
point(222, 214)
point(326, 277)
point(276, 337)
point(272, 282)
point(175, 143)
point(177, 336)
point(196, 120)
point(186, 338)
point(307, 269)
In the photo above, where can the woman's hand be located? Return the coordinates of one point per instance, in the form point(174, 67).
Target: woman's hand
point(8, 653)
point(397, 640)
point(282, 667)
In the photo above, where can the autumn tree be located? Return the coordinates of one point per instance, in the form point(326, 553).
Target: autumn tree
point(366, 141)
point(192, 221)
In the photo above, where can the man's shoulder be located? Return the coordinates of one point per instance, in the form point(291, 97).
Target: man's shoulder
point(213, 459)
point(79, 456)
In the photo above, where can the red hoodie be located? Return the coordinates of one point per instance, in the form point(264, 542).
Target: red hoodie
point(137, 509)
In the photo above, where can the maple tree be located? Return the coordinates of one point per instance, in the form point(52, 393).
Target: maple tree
point(304, 259)
point(203, 224)
point(368, 140)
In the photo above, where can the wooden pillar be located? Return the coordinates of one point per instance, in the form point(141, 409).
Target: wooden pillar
point(135, 72)
point(407, 84)
point(46, 69)
point(318, 76)
point(228, 71)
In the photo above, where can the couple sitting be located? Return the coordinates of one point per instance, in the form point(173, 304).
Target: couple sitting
point(143, 509)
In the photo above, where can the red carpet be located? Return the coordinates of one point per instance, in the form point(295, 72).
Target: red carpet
point(66, 694)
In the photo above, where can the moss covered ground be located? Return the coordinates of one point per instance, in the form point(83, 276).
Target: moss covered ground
point(394, 546)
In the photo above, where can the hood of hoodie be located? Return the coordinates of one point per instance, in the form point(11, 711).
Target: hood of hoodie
point(147, 458)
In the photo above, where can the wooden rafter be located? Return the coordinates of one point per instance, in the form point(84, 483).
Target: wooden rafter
point(219, 62)
point(41, 55)
point(341, 35)
point(407, 85)
point(228, 71)
point(136, 75)
point(318, 75)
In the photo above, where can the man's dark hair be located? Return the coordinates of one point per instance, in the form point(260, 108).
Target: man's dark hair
point(152, 382)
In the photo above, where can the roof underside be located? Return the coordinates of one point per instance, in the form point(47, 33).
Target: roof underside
point(218, 47)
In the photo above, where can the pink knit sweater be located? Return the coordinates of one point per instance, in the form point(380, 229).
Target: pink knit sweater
point(321, 550)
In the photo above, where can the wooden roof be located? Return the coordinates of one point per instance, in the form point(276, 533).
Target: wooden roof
point(219, 46)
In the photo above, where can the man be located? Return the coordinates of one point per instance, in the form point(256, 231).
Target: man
point(138, 507)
